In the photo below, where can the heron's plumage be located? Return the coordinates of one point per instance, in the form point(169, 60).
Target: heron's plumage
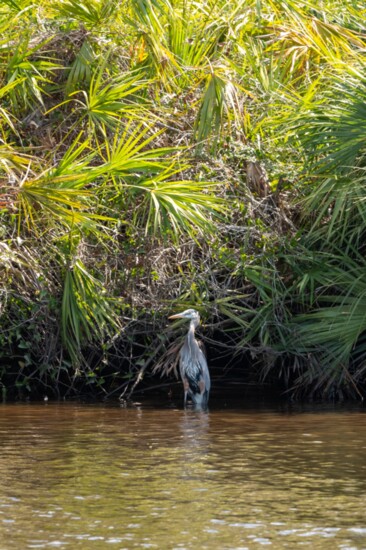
point(192, 363)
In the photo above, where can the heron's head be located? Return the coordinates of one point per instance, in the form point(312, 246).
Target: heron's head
point(187, 314)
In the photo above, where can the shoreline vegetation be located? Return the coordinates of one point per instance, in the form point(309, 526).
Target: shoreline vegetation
point(157, 155)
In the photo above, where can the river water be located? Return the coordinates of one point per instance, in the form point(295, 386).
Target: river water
point(79, 476)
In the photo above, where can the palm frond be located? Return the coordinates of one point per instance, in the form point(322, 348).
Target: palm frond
point(81, 69)
point(219, 103)
point(61, 192)
point(90, 12)
point(28, 73)
point(179, 205)
point(107, 100)
point(87, 312)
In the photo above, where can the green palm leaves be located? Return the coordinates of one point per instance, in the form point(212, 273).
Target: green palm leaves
point(104, 103)
point(210, 152)
point(90, 12)
point(87, 312)
point(92, 156)
point(180, 205)
point(30, 71)
point(332, 333)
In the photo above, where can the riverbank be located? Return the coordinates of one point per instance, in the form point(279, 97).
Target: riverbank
point(159, 156)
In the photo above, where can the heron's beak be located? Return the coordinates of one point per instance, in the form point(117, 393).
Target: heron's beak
point(176, 316)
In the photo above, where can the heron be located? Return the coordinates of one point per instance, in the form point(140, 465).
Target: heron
point(192, 363)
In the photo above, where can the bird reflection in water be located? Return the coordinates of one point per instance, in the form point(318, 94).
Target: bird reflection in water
point(195, 442)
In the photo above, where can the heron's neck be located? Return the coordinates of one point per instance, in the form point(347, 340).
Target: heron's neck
point(192, 326)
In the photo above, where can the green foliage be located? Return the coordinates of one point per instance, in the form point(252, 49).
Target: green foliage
point(90, 12)
point(86, 310)
point(104, 103)
point(80, 72)
point(28, 73)
point(177, 204)
point(206, 153)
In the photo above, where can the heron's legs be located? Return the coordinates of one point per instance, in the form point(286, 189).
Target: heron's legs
point(185, 399)
point(186, 388)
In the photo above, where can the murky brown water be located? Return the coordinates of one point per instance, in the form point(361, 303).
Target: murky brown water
point(94, 477)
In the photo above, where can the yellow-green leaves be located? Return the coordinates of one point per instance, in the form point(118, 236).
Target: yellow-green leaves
point(180, 205)
point(87, 311)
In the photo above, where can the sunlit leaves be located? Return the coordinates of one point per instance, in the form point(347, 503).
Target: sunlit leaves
point(132, 153)
point(87, 312)
point(90, 12)
point(12, 161)
point(310, 39)
point(219, 99)
point(335, 137)
point(109, 99)
point(28, 72)
point(59, 193)
point(177, 204)
point(132, 126)
point(330, 125)
point(80, 71)
point(18, 5)
point(73, 191)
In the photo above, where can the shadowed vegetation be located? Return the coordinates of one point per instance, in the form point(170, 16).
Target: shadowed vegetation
point(160, 155)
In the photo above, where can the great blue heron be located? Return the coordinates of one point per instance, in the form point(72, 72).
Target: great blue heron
point(192, 363)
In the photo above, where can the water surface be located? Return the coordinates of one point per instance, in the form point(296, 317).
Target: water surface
point(93, 477)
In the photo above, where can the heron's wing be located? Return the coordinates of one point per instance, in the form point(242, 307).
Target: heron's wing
point(193, 367)
point(204, 370)
point(168, 362)
point(206, 374)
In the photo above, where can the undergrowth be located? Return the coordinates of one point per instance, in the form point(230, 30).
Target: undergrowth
point(157, 156)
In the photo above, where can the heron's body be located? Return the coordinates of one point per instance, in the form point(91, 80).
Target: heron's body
point(192, 364)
